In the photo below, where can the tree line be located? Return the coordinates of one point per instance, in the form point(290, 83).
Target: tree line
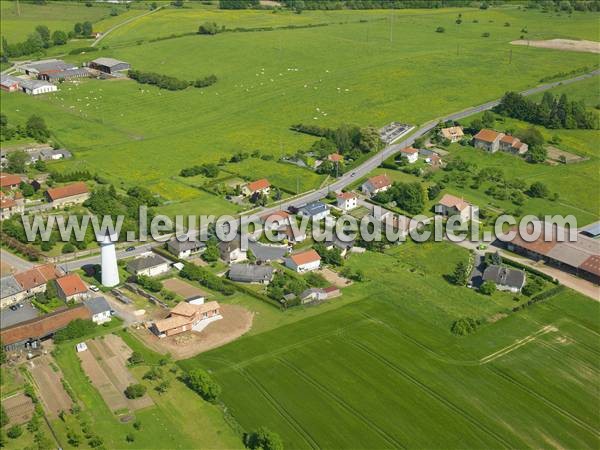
point(551, 112)
point(168, 82)
point(34, 128)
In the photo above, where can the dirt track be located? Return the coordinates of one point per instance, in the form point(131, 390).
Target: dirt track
point(50, 386)
point(562, 44)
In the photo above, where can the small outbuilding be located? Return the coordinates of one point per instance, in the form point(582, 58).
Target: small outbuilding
point(99, 308)
point(251, 273)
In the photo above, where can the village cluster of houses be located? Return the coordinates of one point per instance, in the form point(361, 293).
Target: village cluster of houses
point(13, 203)
point(41, 77)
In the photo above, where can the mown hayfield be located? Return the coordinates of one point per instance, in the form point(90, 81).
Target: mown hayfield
point(153, 133)
point(385, 372)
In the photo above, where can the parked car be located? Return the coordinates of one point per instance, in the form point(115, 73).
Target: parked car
point(94, 288)
point(130, 249)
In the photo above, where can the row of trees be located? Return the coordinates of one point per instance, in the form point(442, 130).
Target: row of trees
point(34, 128)
point(205, 278)
point(208, 170)
point(168, 82)
point(300, 5)
point(551, 112)
point(565, 5)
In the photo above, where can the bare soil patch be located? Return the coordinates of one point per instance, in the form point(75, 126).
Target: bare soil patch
point(19, 409)
point(51, 390)
point(562, 44)
point(334, 278)
point(236, 321)
point(105, 363)
point(183, 289)
point(556, 154)
point(198, 261)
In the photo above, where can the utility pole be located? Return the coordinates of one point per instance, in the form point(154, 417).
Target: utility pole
point(18, 9)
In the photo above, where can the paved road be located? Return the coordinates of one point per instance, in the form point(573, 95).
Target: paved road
point(18, 264)
point(95, 259)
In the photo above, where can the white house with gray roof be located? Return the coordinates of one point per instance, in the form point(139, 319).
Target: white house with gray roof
point(149, 265)
point(10, 291)
point(185, 248)
point(505, 279)
point(251, 273)
point(99, 308)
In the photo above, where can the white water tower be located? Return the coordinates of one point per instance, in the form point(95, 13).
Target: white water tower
point(110, 270)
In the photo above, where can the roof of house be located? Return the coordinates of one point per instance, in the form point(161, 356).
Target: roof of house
point(379, 181)
point(452, 132)
point(108, 62)
point(512, 141)
point(97, 305)
point(37, 276)
point(331, 289)
point(7, 202)
point(487, 135)
point(305, 257)
point(409, 150)
point(451, 201)
point(335, 157)
point(183, 314)
point(9, 180)
point(504, 276)
point(346, 195)
point(592, 230)
point(146, 262)
point(258, 185)
point(185, 245)
point(250, 273)
point(71, 285)
point(171, 322)
point(313, 208)
point(280, 216)
point(67, 191)
point(9, 286)
point(230, 246)
point(184, 309)
point(44, 325)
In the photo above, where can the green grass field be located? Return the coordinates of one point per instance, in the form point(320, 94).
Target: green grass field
point(384, 371)
point(269, 80)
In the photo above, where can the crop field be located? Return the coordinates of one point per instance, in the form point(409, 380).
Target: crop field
point(385, 372)
point(391, 66)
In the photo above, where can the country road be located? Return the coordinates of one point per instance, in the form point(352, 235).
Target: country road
point(125, 22)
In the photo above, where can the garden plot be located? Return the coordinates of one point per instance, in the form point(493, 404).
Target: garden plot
point(19, 408)
point(556, 154)
point(49, 382)
point(105, 363)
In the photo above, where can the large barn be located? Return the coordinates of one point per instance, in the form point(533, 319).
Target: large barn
point(109, 65)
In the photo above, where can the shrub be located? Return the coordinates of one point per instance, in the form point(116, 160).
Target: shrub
point(487, 288)
point(14, 432)
point(486, 34)
point(135, 391)
point(464, 326)
point(136, 358)
point(440, 30)
point(210, 28)
point(130, 437)
point(206, 81)
point(76, 329)
point(202, 383)
point(263, 439)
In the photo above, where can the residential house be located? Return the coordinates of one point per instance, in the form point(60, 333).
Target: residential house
point(312, 294)
point(342, 245)
point(99, 309)
point(435, 161)
point(314, 210)
point(187, 317)
point(304, 261)
point(109, 65)
point(30, 333)
point(11, 206)
point(512, 144)
point(183, 249)
point(410, 154)
point(71, 288)
point(376, 184)
point(149, 264)
point(34, 280)
point(275, 220)
point(11, 291)
point(453, 134)
point(488, 140)
point(232, 252)
point(10, 181)
point(347, 201)
point(9, 83)
point(450, 205)
point(288, 233)
point(261, 186)
point(335, 158)
point(506, 279)
point(71, 194)
point(251, 273)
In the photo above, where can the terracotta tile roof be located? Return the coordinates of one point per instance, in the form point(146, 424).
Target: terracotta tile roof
point(305, 257)
point(409, 151)
point(347, 195)
point(258, 185)
point(509, 139)
point(380, 181)
point(67, 191)
point(7, 180)
point(171, 322)
point(7, 203)
point(487, 135)
point(451, 201)
point(276, 216)
point(37, 276)
point(43, 326)
point(335, 157)
point(185, 314)
point(538, 246)
point(184, 309)
point(592, 265)
point(71, 285)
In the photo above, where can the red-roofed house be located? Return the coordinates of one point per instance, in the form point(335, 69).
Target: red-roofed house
point(347, 201)
point(513, 145)
point(71, 194)
point(488, 140)
point(71, 287)
point(304, 261)
point(11, 206)
point(275, 220)
point(411, 154)
point(10, 181)
point(379, 183)
point(335, 157)
point(259, 186)
point(450, 205)
point(187, 317)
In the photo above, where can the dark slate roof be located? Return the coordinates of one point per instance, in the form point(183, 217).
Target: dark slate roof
point(108, 62)
point(44, 66)
point(9, 286)
point(592, 230)
point(178, 246)
point(229, 246)
point(97, 305)
point(337, 242)
point(504, 276)
point(145, 262)
point(312, 209)
point(68, 73)
point(250, 273)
